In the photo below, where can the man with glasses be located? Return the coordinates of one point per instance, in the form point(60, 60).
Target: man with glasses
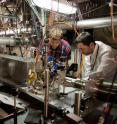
point(100, 58)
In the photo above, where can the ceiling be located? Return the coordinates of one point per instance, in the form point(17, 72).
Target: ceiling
point(86, 9)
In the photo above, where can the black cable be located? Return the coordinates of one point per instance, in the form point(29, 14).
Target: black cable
point(21, 51)
point(111, 87)
point(115, 120)
point(109, 95)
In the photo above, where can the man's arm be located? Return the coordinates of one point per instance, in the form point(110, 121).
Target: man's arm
point(106, 68)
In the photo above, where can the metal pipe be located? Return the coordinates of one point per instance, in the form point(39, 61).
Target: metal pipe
point(15, 111)
point(75, 55)
point(8, 41)
point(46, 98)
point(96, 23)
point(77, 103)
point(46, 52)
point(8, 16)
point(14, 31)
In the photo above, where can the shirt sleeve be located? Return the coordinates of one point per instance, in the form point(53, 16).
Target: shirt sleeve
point(68, 52)
point(106, 68)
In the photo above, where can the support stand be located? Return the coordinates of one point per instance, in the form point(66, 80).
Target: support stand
point(15, 94)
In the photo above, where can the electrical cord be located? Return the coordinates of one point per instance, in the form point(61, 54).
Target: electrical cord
point(112, 18)
point(109, 95)
point(95, 9)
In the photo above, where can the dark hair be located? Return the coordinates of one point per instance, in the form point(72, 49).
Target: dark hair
point(85, 37)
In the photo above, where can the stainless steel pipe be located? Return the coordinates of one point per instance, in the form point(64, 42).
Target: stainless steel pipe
point(96, 23)
point(8, 41)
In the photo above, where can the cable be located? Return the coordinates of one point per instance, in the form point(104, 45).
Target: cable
point(58, 6)
point(94, 9)
point(114, 78)
point(112, 18)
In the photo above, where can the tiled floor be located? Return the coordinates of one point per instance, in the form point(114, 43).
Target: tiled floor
point(20, 119)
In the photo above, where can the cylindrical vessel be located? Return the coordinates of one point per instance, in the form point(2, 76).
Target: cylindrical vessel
point(77, 103)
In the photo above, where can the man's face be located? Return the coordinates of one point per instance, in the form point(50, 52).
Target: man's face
point(85, 49)
point(54, 42)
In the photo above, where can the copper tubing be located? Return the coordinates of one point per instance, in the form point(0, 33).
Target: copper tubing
point(112, 20)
